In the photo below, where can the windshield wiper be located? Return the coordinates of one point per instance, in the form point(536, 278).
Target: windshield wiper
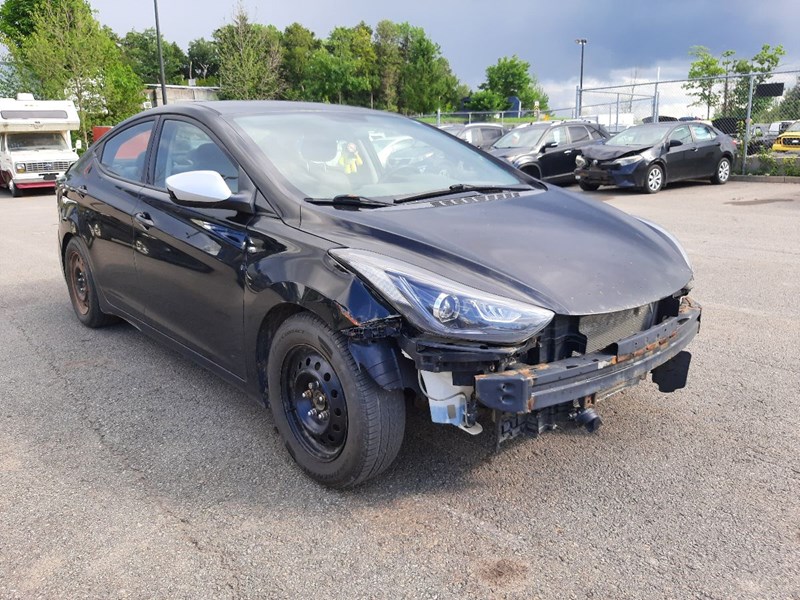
point(349, 200)
point(462, 187)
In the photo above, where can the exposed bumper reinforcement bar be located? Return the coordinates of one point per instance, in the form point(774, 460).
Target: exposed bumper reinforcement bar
point(533, 387)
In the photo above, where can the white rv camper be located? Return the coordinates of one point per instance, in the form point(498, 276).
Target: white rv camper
point(35, 145)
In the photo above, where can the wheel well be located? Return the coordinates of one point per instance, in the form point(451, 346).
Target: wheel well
point(64, 244)
point(532, 170)
point(269, 325)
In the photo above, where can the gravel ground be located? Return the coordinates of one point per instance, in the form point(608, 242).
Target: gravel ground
point(128, 472)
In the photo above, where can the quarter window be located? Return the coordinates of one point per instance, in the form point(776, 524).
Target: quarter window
point(185, 147)
point(124, 153)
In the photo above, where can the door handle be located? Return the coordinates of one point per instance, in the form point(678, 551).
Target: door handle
point(695, 149)
point(82, 191)
point(144, 220)
point(567, 151)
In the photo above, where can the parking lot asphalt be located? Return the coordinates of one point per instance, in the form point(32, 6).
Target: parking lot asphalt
point(128, 472)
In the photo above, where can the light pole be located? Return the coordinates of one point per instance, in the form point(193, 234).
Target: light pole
point(160, 56)
point(582, 43)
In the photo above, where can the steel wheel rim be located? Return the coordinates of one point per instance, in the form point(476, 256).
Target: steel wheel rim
point(314, 403)
point(79, 283)
point(654, 179)
point(724, 170)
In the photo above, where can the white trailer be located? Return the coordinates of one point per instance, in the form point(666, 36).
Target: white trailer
point(35, 145)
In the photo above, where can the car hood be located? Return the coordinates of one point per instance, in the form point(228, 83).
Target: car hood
point(604, 152)
point(553, 248)
point(509, 152)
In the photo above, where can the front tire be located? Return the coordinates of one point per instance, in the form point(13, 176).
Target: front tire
point(82, 287)
point(339, 426)
point(588, 187)
point(723, 172)
point(653, 179)
point(13, 189)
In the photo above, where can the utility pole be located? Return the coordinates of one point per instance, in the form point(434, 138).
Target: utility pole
point(160, 57)
point(582, 43)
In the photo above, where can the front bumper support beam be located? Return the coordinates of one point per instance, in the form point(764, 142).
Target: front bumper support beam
point(530, 388)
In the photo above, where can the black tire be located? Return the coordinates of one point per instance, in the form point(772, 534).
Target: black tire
point(82, 287)
point(13, 189)
point(348, 429)
point(653, 179)
point(588, 187)
point(723, 172)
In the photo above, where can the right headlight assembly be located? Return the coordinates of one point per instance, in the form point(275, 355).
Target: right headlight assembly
point(444, 307)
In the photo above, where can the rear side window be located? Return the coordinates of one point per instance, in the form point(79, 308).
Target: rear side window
point(491, 134)
point(124, 153)
point(702, 133)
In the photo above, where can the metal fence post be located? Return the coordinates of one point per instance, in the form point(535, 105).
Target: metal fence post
point(616, 122)
point(747, 124)
point(438, 117)
point(577, 101)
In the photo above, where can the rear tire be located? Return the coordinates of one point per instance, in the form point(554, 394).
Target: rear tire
point(82, 287)
point(588, 187)
point(653, 179)
point(723, 172)
point(340, 427)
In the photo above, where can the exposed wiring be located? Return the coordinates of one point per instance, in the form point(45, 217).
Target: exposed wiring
point(429, 397)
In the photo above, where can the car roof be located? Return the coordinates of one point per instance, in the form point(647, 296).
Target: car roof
point(257, 107)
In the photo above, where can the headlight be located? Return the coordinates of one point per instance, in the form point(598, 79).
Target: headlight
point(580, 161)
point(20, 167)
point(444, 307)
point(628, 160)
point(671, 238)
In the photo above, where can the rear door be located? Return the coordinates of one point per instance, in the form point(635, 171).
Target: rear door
point(708, 151)
point(190, 260)
point(106, 188)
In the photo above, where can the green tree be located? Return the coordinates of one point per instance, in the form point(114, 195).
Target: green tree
point(763, 63)
point(389, 61)
point(249, 59)
point(203, 59)
point(70, 56)
point(487, 101)
point(17, 20)
point(298, 46)
point(355, 55)
point(140, 49)
point(512, 77)
point(426, 80)
point(703, 74)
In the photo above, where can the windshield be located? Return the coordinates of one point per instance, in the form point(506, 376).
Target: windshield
point(323, 154)
point(794, 126)
point(36, 141)
point(524, 137)
point(644, 135)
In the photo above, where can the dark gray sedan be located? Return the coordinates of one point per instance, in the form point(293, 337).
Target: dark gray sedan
point(649, 156)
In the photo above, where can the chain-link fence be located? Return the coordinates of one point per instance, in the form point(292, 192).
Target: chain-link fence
point(768, 102)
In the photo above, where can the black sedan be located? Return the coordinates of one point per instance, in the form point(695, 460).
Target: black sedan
point(649, 156)
point(268, 242)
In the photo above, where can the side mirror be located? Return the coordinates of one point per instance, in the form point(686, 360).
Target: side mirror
point(205, 189)
point(675, 143)
point(549, 145)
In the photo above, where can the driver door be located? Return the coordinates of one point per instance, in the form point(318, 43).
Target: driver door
point(679, 158)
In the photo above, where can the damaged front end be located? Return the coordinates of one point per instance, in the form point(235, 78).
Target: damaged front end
point(556, 377)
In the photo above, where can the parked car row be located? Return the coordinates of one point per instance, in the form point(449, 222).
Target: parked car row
point(789, 140)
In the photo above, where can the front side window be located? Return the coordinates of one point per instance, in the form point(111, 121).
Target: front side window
point(124, 153)
point(557, 135)
point(682, 135)
point(185, 147)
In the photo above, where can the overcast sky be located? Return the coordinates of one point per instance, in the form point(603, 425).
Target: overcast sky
point(623, 34)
